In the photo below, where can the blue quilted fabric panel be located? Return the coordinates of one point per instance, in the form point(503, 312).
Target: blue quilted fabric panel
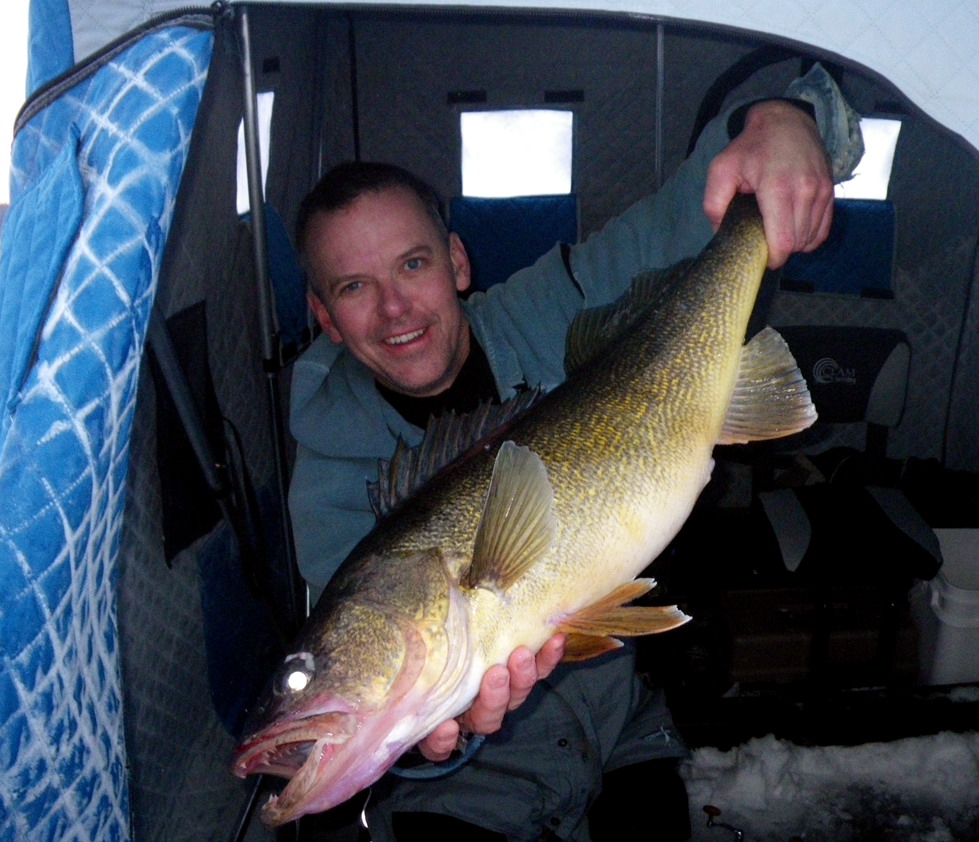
point(39, 231)
point(64, 447)
point(51, 44)
point(503, 236)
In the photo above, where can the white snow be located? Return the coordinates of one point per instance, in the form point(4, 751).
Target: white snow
point(920, 789)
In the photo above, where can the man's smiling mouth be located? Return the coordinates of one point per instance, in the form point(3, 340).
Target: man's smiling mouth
point(404, 338)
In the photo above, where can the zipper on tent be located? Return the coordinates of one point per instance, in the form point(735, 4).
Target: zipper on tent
point(199, 17)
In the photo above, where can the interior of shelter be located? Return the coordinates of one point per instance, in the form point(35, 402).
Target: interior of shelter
point(816, 642)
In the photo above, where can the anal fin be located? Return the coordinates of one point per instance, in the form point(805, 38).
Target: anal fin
point(627, 621)
point(580, 647)
point(771, 398)
point(608, 617)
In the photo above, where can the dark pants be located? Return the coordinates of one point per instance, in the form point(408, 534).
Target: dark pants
point(644, 801)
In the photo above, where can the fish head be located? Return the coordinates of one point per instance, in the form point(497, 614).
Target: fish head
point(332, 718)
point(347, 704)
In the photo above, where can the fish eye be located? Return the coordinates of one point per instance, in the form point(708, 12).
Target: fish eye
point(296, 673)
point(297, 680)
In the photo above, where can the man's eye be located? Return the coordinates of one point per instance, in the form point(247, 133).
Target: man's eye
point(353, 286)
point(413, 264)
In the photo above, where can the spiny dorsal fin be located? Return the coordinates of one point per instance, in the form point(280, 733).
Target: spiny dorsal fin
point(771, 398)
point(595, 328)
point(611, 616)
point(518, 523)
point(447, 437)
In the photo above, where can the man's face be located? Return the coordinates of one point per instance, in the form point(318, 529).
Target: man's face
point(386, 282)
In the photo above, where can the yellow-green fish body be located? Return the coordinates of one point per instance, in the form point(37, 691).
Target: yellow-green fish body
point(542, 530)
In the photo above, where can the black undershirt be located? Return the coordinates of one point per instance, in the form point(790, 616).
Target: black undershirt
point(473, 386)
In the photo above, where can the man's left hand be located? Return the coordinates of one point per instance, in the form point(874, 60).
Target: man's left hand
point(502, 689)
point(779, 156)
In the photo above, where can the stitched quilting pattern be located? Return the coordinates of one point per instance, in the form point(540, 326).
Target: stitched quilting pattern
point(64, 452)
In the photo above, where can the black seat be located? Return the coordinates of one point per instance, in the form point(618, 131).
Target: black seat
point(847, 543)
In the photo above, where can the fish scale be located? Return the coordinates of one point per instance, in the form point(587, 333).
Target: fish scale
point(540, 530)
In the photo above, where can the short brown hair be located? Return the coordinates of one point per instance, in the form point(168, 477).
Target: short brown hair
point(342, 185)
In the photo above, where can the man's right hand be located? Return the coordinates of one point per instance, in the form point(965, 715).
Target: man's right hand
point(503, 689)
point(779, 156)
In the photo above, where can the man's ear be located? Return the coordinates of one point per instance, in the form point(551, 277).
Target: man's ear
point(460, 262)
point(323, 317)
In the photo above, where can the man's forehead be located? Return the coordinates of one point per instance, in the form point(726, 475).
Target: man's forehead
point(393, 208)
point(378, 225)
point(392, 199)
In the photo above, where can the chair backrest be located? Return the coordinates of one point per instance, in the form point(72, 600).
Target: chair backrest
point(855, 374)
point(504, 235)
point(857, 257)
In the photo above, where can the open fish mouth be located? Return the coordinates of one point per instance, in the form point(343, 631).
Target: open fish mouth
point(284, 748)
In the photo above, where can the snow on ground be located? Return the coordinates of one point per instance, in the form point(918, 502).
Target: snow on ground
point(919, 789)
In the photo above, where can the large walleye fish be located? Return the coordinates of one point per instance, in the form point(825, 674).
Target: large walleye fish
point(542, 530)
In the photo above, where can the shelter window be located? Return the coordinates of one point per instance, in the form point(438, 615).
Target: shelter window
point(265, 101)
point(872, 176)
point(524, 152)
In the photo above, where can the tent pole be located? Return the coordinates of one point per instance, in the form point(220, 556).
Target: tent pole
point(294, 604)
point(658, 116)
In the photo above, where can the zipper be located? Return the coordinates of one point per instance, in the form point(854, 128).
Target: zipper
point(199, 17)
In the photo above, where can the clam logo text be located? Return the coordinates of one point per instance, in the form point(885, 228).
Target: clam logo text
point(828, 370)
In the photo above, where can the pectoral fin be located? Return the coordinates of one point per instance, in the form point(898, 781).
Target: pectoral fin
point(518, 522)
point(771, 398)
point(610, 616)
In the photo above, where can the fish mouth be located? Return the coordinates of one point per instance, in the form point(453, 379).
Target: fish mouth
point(323, 757)
point(284, 748)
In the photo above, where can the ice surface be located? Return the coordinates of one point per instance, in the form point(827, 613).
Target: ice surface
point(921, 789)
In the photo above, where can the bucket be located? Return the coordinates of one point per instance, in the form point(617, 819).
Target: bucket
point(946, 611)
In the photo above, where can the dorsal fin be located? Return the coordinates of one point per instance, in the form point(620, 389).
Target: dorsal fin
point(595, 328)
point(447, 437)
point(771, 398)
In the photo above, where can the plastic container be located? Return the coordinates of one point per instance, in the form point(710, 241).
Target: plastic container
point(946, 611)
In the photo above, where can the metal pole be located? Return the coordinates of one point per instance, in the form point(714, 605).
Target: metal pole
point(295, 606)
point(658, 119)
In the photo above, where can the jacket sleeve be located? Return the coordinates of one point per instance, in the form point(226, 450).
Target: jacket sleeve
point(670, 225)
point(523, 323)
point(330, 512)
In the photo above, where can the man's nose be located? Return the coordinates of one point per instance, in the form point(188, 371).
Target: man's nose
point(394, 300)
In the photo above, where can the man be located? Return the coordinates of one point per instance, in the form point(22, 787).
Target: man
point(385, 278)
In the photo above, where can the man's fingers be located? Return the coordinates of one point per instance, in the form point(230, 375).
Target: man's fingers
point(723, 183)
point(523, 676)
point(781, 229)
point(794, 222)
point(438, 745)
point(550, 655)
point(822, 226)
point(487, 711)
point(484, 717)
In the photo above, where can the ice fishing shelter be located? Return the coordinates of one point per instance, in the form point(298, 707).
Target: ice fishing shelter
point(141, 601)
